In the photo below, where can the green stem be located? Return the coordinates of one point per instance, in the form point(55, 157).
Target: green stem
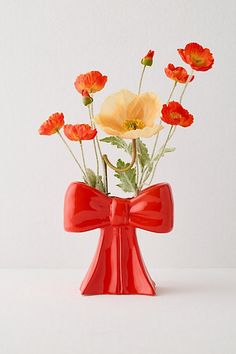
point(105, 176)
point(92, 122)
point(137, 162)
point(94, 143)
point(170, 134)
point(155, 145)
point(141, 80)
point(172, 91)
point(83, 158)
point(71, 152)
point(145, 170)
point(99, 150)
point(172, 129)
point(169, 98)
point(185, 86)
point(137, 172)
point(157, 136)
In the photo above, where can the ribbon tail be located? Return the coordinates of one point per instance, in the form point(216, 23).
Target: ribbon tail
point(118, 267)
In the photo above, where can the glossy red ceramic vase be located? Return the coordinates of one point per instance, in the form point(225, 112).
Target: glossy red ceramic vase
point(118, 267)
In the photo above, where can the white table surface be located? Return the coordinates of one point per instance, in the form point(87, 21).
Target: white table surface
point(42, 312)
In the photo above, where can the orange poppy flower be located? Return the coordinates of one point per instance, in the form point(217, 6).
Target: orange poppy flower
point(51, 126)
point(129, 115)
point(173, 113)
point(178, 74)
point(199, 58)
point(91, 82)
point(79, 132)
point(148, 59)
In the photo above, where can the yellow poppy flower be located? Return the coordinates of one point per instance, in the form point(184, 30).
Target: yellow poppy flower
point(130, 116)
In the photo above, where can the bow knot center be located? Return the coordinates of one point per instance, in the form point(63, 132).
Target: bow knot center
point(119, 212)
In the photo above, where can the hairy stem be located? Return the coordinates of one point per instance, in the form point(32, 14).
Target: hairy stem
point(105, 177)
point(99, 150)
point(71, 152)
point(145, 172)
point(94, 142)
point(83, 158)
point(185, 86)
point(141, 80)
point(157, 136)
point(137, 175)
point(170, 134)
point(172, 92)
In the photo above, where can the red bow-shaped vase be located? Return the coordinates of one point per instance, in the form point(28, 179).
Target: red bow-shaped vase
point(118, 267)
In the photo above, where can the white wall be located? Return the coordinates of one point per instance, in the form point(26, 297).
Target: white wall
point(44, 46)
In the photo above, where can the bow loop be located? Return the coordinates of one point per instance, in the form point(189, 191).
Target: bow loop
point(152, 209)
point(86, 209)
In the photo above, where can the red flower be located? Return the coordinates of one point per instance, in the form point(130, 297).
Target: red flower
point(51, 126)
point(178, 74)
point(91, 82)
point(148, 59)
point(199, 58)
point(79, 132)
point(173, 113)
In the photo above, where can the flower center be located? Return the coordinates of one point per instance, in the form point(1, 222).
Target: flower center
point(133, 124)
point(197, 60)
point(175, 115)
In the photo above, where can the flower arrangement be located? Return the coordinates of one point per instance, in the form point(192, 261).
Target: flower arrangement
point(127, 118)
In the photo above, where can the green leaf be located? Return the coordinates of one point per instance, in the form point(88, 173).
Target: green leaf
point(117, 141)
point(149, 166)
point(129, 150)
point(165, 151)
point(157, 157)
point(94, 181)
point(100, 185)
point(91, 177)
point(127, 179)
point(143, 155)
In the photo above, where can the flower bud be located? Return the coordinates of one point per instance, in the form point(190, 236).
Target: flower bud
point(87, 99)
point(148, 59)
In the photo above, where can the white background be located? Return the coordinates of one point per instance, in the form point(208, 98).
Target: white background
point(44, 46)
